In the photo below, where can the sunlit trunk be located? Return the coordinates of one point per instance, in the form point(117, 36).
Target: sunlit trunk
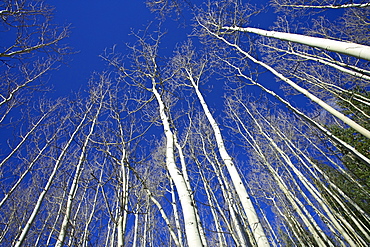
point(79, 167)
point(50, 180)
point(347, 48)
point(253, 220)
point(191, 225)
point(305, 92)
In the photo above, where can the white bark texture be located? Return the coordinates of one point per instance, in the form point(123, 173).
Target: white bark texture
point(235, 227)
point(305, 92)
point(187, 181)
point(253, 220)
point(122, 217)
point(333, 6)
point(74, 186)
point(347, 48)
point(191, 226)
point(308, 221)
point(310, 187)
point(49, 182)
point(305, 117)
point(357, 72)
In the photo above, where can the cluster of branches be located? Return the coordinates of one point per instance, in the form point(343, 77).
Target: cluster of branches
point(31, 47)
point(142, 159)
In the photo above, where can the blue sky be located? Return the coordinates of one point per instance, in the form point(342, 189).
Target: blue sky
point(100, 25)
point(94, 27)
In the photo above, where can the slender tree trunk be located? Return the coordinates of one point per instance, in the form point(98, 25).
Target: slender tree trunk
point(314, 192)
point(160, 209)
point(342, 67)
point(136, 227)
point(30, 167)
point(253, 220)
point(187, 180)
point(333, 191)
point(312, 97)
point(85, 236)
point(74, 186)
point(332, 6)
point(50, 180)
point(314, 229)
point(236, 228)
point(347, 48)
point(191, 226)
point(335, 139)
point(122, 217)
point(25, 137)
point(176, 213)
point(209, 194)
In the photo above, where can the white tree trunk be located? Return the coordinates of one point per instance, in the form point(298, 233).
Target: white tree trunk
point(310, 187)
point(312, 226)
point(74, 186)
point(122, 217)
point(253, 220)
point(49, 182)
point(209, 192)
point(176, 213)
point(312, 97)
point(333, 6)
point(308, 164)
point(85, 236)
point(136, 226)
point(332, 63)
point(347, 48)
point(306, 118)
point(187, 180)
point(191, 226)
point(30, 166)
point(236, 229)
point(25, 137)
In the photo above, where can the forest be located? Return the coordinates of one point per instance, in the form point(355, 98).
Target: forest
point(242, 135)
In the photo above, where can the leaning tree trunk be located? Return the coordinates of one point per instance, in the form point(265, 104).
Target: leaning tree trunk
point(74, 186)
point(253, 220)
point(50, 180)
point(347, 48)
point(191, 225)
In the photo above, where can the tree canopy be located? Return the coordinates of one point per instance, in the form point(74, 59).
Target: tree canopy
point(246, 133)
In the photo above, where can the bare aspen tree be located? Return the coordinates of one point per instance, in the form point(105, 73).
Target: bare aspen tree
point(313, 227)
point(351, 49)
point(191, 225)
point(160, 209)
point(348, 238)
point(327, 4)
point(315, 99)
point(33, 47)
point(28, 134)
point(218, 29)
point(97, 95)
point(148, 70)
point(40, 150)
point(194, 75)
point(203, 144)
point(32, 35)
point(147, 157)
point(51, 177)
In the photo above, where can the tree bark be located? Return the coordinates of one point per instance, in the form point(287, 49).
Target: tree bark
point(347, 48)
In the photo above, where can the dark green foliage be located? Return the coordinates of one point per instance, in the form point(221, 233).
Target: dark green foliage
point(358, 168)
point(358, 141)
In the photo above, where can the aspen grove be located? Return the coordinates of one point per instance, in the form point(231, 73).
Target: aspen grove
point(240, 135)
